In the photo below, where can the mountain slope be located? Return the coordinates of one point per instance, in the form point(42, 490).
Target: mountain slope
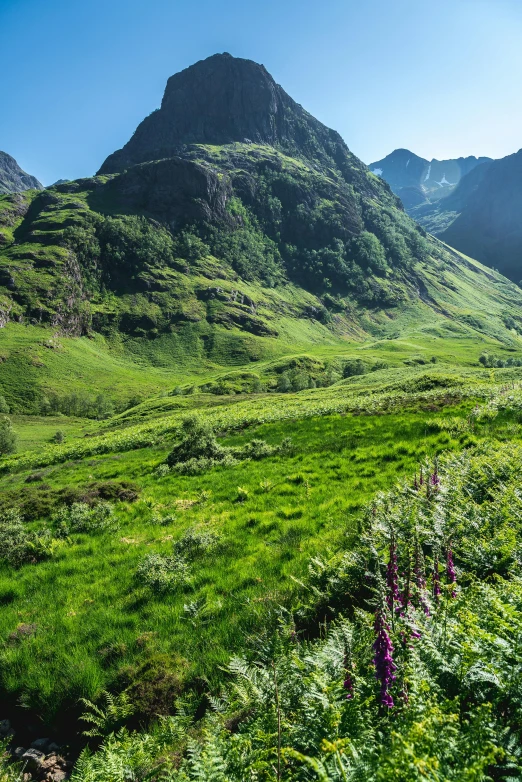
point(418, 181)
point(13, 179)
point(197, 243)
point(488, 223)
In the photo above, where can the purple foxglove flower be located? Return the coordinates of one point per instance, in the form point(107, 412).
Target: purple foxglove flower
point(383, 661)
point(348, 681)
point(348, 686)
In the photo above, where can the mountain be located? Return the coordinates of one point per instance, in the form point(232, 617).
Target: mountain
point(473, 204)
point(13, 179)
point(418, 181)
point(233, 225)
point(222, 100)
point(488, 216)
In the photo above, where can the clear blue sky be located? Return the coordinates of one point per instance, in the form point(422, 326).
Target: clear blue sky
point(441, 77)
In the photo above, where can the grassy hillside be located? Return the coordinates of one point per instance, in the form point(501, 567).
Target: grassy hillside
point(268, 516)
point(416, 673)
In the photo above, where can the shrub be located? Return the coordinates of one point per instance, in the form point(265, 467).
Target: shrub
point(198, 442)
point(7, 437)
point(80, 517)
point(354, 367)
point(58, 437)
point(18, 545)
point(4, 407)
point(256, 449)
point(284, 383)
point(163, 574)
point(195, 541)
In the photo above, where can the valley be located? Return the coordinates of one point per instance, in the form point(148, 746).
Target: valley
point(260, 438)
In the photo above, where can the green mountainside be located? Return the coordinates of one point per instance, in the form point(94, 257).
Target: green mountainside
point(197, 243)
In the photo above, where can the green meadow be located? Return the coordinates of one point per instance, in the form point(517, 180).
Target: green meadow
point(83, 619)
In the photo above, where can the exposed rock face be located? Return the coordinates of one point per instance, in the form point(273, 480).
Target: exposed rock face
point(173, 190)
point(221, 100)
point(13, 179)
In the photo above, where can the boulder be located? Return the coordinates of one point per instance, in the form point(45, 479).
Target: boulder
point(33, 759)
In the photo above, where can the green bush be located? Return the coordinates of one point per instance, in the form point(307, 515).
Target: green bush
point(81, 517)
point(18, 545)
point(256, 449)
point(8, 437)
point(195, 541)
point(163, 574)
point(198, 442)
point(354, 367)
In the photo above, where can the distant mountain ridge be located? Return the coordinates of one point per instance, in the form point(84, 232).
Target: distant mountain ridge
point(486, 221)
point(13, 179)
point(419, 181)
point(473, 204)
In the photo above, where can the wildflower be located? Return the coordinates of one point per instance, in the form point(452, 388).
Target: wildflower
point(450, 571)
point(383, 661)
point(415, 483)
point(348, 686)
point(421, 477)
point(348, 681)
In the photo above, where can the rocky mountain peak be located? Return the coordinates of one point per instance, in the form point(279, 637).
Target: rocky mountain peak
point(221, 100)
point(13, 179)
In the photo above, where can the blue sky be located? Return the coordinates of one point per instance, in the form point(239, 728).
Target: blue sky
point(440, 77)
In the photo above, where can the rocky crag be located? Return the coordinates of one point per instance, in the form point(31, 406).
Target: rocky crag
point(13, 179)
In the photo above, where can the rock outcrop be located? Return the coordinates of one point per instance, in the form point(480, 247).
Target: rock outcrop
point(13, 179)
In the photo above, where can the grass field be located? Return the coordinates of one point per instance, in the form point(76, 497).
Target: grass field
point(82, 620)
